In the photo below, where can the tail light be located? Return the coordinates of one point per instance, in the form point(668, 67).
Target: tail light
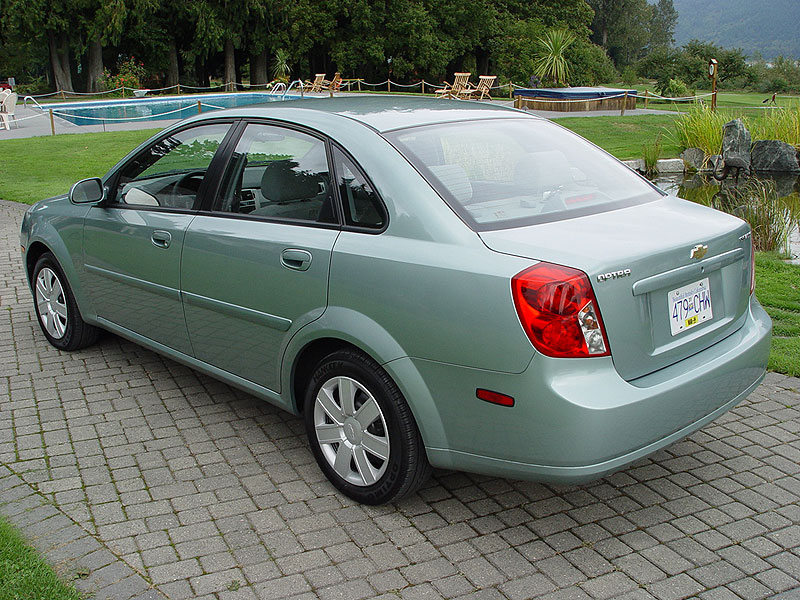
point(558, 311)
point(752, 267)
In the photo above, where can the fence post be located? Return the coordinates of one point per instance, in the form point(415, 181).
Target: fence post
point(63, 96)
point(179, 89)
point(52, 123)
point(388, 85)
point(199, 107)
point(359, 85)
point(423, 87)
point(510, 90)
point(646, 97)
point(624, 102)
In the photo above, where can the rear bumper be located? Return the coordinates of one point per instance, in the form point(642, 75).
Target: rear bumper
point(575, 420)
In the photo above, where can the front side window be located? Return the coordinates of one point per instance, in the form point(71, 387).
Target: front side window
point(501, 173)
point(278, 173)
point(170, 172)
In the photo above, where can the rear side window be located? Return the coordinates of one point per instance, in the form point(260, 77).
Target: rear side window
point(360, 203)
point(502, 173)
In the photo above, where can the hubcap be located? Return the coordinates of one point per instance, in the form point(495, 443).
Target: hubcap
point(51, 303)
point(351, 431)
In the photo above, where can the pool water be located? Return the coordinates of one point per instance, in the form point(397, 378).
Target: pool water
point(155, 109)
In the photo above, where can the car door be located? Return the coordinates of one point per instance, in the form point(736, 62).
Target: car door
point(256, 259)
point(133, 241)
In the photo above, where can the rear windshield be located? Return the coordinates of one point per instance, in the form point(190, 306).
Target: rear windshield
point(502, 173)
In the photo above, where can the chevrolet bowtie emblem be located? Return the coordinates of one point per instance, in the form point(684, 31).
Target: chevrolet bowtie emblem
point(699, 251)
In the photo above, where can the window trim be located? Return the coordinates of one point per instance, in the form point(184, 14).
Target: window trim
point(212, 195)
point(112, 183)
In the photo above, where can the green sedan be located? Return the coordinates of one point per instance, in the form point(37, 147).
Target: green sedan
point(429, 283)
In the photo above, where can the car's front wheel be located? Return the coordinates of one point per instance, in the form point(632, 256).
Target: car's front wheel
point(56, 309)
point(361, 430)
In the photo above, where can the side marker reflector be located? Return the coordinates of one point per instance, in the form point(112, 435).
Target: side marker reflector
point(494, 397)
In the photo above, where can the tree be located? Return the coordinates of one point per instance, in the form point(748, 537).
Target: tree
point(621, 27)
point(663, 20)
point(551, 63)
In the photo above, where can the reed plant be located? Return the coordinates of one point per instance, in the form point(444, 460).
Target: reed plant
point(777, 124)
point(771, 218)
point(651, 151)
point(700, 127)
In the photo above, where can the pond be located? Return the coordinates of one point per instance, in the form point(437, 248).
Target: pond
point(703, 189)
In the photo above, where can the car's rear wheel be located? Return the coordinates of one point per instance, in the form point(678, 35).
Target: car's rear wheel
point(56, 309)
point(361, 430)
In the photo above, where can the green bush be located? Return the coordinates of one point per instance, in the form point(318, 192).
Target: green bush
point(628, 76)
point(589, 64)
point(673, 88)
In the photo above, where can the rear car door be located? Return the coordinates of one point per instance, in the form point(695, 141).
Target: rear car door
point(133, 241)
point(256, 259)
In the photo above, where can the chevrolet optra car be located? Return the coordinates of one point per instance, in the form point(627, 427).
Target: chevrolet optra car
point(427, 282)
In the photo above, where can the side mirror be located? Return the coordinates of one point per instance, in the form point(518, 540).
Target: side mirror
point(87, 191)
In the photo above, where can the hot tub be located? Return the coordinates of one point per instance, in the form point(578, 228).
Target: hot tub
point(571, 99)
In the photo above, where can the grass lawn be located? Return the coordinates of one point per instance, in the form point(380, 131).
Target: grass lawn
point(23, 574)
point(778, 290)
point(40, 167)
point(623, 136)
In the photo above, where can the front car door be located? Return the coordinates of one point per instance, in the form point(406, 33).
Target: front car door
point(255, 264)
point(133, 241)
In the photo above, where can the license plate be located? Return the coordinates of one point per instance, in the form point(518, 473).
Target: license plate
point(689, 306)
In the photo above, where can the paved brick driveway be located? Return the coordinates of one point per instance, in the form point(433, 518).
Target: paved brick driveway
point(141, 478)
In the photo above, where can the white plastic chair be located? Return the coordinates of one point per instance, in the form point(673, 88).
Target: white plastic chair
point(9, 104)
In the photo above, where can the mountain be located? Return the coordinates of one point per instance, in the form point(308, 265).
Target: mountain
point(766, 26)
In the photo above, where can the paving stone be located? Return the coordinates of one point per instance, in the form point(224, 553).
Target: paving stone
point(162, 482)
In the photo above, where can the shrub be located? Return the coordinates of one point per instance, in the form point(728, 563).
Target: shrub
point(674, 88)
point(628, 76)
point(589, 64)
point(130, 74)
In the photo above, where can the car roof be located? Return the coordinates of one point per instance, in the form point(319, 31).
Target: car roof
point(382, 113)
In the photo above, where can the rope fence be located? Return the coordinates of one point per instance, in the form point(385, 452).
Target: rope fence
point(280, 88)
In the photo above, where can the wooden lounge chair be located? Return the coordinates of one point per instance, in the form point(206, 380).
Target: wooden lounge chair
point(480, 91)
point(334, 84)
point(460, 81)
point(7, 107)
point(316, 85)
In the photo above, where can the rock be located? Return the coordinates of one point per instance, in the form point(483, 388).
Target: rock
point(774, 155)
point(670, 165)
point(694, 159)
point(736, 145)
point(635, 164)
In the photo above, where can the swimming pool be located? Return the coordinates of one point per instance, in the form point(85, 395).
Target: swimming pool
point(155, 109)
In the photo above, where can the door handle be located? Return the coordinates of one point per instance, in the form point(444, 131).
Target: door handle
point(293, 258)
point(161, 239)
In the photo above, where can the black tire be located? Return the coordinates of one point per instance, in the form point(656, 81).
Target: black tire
point(65, 332)
point(404, 470)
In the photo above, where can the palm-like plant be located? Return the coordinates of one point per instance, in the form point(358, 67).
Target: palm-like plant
point(551, 64)
point(280, 66)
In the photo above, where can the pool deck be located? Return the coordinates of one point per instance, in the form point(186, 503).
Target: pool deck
point(34, 123)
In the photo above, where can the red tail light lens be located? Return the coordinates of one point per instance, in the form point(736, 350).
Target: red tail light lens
point(558, 311)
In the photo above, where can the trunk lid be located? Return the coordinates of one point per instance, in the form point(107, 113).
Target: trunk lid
point(640, 263)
